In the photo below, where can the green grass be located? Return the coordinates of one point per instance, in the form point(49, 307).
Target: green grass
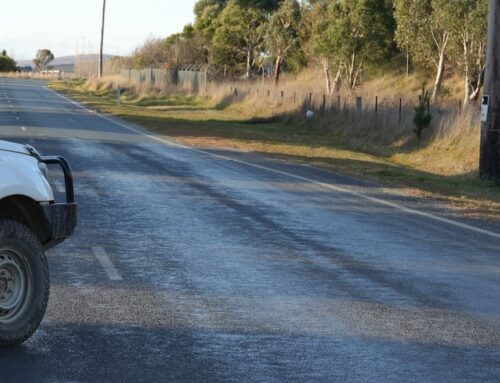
point(199, 122)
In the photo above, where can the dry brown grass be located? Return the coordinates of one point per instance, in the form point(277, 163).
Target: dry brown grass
point(453, 148)
point(449, 147)
point(372, 145)
point(37, 76)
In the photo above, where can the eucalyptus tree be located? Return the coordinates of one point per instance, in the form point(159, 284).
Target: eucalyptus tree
point(43, 58)
point(412, 21)
point(7, 64)
point(187, 47)
point(239, 35)
point(282, 35)
point(444, 32)
point(318, 45)
point(206, 13)
point(422, 30)
point(350, 34)
point(264, 5)
point(467, 22)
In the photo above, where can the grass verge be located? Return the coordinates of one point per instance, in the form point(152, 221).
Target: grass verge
point(424, 170)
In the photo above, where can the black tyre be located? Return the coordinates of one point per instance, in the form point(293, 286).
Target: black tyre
point(24, 283)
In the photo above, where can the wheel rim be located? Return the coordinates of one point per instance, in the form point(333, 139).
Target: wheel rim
point(16, 285)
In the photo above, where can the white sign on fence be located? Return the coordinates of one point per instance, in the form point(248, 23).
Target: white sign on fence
point(484, 108)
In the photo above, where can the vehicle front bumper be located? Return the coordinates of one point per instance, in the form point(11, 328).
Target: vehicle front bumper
point(60, 218)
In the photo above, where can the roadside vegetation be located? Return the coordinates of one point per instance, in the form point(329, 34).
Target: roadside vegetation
point(442, 164)
point(383, 89)
point(351, 41)
point(7, 64)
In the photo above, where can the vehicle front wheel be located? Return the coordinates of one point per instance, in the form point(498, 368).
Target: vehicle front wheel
point(24, 283)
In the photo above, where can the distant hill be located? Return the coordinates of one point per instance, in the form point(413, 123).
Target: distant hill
point(67, 63)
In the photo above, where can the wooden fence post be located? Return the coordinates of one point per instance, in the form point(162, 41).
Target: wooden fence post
point(400, 109)
point(118, 94)
point(359, 104)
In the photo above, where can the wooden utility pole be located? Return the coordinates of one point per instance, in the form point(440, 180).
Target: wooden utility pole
point(489, 164)
point(100, 70)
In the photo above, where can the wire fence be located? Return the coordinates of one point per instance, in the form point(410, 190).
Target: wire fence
point(192, 77)
point(393, 113)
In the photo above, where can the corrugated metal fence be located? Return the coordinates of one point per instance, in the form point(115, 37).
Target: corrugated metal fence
point(193, 79)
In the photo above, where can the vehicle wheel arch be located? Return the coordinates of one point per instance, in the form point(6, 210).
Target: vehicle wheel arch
point(26, 211)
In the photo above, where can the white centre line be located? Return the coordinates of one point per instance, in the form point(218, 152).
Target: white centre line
point(17, 118)
point(106, 264)
point(325, 185)
point(23, 128)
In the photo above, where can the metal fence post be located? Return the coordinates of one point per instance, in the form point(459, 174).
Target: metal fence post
point(359, 104)
point(400, 109)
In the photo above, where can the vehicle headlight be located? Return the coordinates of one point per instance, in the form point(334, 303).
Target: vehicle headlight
point(43, 169)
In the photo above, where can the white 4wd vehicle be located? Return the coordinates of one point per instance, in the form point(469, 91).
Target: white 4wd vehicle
point(30, 223)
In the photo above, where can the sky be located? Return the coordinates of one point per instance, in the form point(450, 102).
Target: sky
point(63, 26)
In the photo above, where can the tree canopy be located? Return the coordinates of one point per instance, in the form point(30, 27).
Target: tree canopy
point(239, 37)
point(347, 38)
point(7, 64)
point(43, 58)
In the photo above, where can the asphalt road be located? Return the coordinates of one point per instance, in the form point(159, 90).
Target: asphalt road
point(204, 265)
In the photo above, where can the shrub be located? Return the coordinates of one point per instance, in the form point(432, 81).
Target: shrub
point(422, 118)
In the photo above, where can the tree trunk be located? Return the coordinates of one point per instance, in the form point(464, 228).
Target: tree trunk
point(249, 62)
point(326, 69)
point(351, 71)
point(439, 75)
point(480, 68)
point(277, 70)
point(479, 84)
point(338, 80)
point(407, 63)
point(467, 78)
point(467, 88)
point(357, 75)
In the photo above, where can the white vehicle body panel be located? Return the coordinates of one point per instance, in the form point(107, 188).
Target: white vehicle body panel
point(20, 175)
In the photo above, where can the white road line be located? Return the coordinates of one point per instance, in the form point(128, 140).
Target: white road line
point(23, 128)
point(300, 178)
point(106, 264)
point(17, 118)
